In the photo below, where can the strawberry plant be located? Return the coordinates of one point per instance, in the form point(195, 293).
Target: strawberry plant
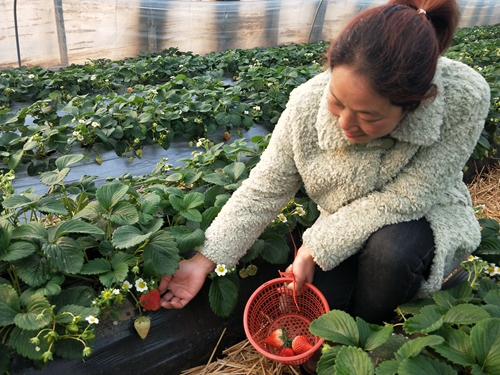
point(124, 105)
point(454, 332)
point(78, 250)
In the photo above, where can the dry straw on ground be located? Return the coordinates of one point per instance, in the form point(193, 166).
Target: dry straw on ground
point(243, 359)
point(485, 191)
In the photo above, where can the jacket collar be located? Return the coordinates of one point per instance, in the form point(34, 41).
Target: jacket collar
point(421, 127)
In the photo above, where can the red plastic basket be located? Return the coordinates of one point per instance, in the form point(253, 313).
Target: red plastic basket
point(273, 306)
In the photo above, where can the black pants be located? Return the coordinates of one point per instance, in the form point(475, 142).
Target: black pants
point(385, 273)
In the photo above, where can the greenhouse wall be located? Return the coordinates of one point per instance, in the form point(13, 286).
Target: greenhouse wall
point(62, 32)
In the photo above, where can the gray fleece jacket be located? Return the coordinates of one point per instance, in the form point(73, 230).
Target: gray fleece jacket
point(358, 192)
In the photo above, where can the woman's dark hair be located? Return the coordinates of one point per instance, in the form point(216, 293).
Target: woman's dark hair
point(396, 47)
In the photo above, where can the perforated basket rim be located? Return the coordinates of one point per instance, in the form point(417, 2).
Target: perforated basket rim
point(292, 360)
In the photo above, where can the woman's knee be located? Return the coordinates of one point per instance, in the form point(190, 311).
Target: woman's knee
point(404, 245)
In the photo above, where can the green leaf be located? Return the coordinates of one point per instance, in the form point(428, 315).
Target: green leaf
point(34, 270)
point(17, 201)
point(388, 368)
point(55, 177)
point(208, 216)
point(119, 258)
point(493, 310)
point(422, 365)
point(118, 274)
point(462, 292)
point(14, 159)
point(75, 226)
point(75, 310)
point(493, 297)
point(52, 288)
point(443, 298)
point(274, 249)
point(110, 194)
point(37, 316)
point(457, 347)
point(193, 200)
point(327, 360)
point(186, 205)
point(149, 203)
point(336, 326)
point(465, 314)
point(373, 335)
point(69, 349)
point(430, 319)
point(18, 250)
point(20, 341)
point(386, 351)
point(79, 295)
point(128, 236)
point(217, 178)
point(123, 213)
point(161, 255)
point(414, 306)
point(92, 209)
point(223, 294)
point(351, 360)
point(9, 305)
point(212, 193)
point(186, 238)
point(66, 255)
point(32, 229)
point(235, 170)
point(51, 205)
point(174, 177)
point(96, 266)
point(485, 340)
point(412, 348)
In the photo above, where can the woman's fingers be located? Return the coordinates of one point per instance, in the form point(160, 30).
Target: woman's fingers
point(164, 283)
point(170, 301)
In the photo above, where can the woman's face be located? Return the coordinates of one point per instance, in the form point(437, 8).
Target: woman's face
point(362, 114)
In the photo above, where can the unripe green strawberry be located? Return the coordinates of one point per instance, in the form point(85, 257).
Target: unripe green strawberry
point(252, 270)
point(243, 273)
point(142, 325)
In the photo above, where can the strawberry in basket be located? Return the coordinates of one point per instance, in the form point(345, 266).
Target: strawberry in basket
point(301, 344)
point(278, 339)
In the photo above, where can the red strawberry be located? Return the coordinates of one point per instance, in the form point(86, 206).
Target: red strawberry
point(300, 345)
point(151, 301)
point(277, 339)
point(227, 136)
point(287, 352)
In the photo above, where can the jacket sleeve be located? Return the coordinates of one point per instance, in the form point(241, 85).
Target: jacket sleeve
point(415, 190)
point(256, 203)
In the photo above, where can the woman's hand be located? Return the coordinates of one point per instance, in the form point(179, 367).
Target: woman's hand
point(302, 268)
point(186, 282)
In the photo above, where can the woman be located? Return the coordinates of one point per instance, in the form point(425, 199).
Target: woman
point(379, 141)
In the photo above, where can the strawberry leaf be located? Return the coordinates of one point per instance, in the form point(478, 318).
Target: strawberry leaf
point(351, 360)
point(161, 255)
point(9, 305)
point(20, 341)
point(223, 294)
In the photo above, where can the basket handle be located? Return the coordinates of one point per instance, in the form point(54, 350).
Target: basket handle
point(291, 274)
point(294, 293)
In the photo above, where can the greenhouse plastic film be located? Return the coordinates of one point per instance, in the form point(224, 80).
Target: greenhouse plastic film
point(61, 32)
